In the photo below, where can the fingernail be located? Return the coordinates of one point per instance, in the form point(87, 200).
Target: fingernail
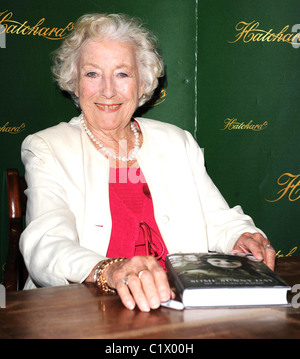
point(130, 305)
point(145, 308)
point(154, 303)
point(165, 296)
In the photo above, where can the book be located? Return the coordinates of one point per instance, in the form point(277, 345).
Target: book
point(214, 280)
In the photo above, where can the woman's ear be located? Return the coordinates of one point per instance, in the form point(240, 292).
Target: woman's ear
point(141, 90)
point(76, 91)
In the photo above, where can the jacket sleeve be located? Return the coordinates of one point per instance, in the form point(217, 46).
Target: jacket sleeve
point(50, 243)
point(224, 224)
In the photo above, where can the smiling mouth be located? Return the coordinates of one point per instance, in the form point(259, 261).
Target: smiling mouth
point(108, 108)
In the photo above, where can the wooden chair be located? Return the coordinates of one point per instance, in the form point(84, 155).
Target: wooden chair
point(15, 272)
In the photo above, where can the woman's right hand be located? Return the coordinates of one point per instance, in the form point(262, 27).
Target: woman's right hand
point(139, 281)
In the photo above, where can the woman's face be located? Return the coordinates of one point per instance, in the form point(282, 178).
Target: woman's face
point(109, 85)
point(223, 263)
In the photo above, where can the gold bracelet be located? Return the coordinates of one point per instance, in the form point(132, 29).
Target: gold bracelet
point(101, 282)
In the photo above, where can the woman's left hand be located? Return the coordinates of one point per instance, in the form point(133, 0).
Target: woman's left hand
point(258, 245)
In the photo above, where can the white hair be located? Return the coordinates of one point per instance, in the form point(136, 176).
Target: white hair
point(115, 27)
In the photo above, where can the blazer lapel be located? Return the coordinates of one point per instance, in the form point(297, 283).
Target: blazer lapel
point(97, 219)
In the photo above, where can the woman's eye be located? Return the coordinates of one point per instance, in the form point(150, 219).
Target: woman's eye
point(91, 74)
point(123, 74)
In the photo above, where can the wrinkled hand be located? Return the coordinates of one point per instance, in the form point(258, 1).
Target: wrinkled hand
point(139, 281)
point(259, 246)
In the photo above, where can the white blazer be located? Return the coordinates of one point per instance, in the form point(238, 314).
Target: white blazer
point(68, 213)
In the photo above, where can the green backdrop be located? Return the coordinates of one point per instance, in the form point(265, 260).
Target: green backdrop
point(248, 110)
point(232, 81)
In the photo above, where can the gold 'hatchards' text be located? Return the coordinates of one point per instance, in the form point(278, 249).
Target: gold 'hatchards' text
point(11, 26)
point(251, 32)
point(290, 187)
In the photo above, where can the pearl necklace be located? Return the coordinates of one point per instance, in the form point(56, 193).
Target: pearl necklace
point(106, 150)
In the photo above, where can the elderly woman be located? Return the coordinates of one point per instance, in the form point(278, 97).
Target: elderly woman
point(109, 195)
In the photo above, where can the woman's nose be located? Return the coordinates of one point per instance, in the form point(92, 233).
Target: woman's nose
point(108, 88)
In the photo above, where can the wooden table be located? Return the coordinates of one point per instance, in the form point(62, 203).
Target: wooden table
point(80, 311)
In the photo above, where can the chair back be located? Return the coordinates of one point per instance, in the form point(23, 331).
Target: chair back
point(15, 272)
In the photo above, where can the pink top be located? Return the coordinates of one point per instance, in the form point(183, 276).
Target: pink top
point(134, 229)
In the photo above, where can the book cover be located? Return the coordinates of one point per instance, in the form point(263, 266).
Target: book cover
point(210, 279)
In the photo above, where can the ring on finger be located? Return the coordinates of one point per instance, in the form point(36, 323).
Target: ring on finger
point(141, 273)
point(268, 246)
point(126, 279)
